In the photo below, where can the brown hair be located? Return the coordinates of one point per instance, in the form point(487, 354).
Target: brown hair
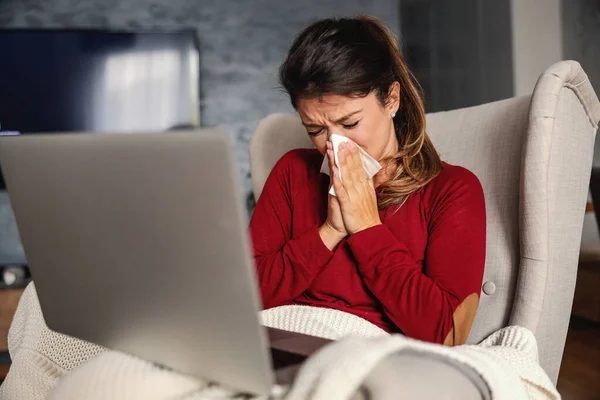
point(356, 57)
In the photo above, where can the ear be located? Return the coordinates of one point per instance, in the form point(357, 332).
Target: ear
point(392, 102)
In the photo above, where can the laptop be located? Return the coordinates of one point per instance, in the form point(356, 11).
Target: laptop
point(138, 243)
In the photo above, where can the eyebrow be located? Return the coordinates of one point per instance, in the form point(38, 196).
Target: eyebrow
point(338, 121)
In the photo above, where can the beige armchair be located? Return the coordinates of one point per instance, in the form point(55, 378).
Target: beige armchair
point(533, 156)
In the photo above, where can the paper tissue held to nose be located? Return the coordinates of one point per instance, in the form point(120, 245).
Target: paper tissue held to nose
point(370, 165)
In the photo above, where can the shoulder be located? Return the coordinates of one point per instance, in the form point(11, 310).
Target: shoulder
point(298, 163)
point(455, 186)
point(300, 157)
point(454, 177)
point(294, 170)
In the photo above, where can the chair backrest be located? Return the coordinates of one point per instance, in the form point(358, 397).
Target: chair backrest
point(274, 136)
point(533, 156)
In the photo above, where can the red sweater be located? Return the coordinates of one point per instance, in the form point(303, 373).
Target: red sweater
point(407, 275)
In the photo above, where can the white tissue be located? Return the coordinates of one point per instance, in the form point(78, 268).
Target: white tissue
point(370, 165)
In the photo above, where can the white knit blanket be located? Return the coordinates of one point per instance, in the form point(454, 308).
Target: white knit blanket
point(48, 365)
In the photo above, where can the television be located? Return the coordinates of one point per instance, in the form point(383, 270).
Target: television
point(97, 81)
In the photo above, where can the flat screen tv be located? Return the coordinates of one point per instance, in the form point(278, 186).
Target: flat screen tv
point(97, 81)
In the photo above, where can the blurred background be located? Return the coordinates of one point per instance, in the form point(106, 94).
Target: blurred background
point(464, 53)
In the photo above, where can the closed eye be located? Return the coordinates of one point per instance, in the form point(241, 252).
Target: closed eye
point(350, 126)
point(314, 133)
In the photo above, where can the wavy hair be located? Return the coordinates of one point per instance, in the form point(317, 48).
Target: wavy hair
point(356, 57)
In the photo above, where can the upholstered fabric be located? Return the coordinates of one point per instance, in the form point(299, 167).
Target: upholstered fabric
point(275, 135)
point(569, 101)
point(487, 140)
point(533, 157)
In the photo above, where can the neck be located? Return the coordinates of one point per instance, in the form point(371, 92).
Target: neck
point(385, 173)
point(387, 161)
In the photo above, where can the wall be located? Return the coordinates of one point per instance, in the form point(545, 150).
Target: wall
point(468, 52)
point(558, 30)
point(10, 246)
point(581, 42)
point(460, 51)
point(536, 40)
point(242, 44)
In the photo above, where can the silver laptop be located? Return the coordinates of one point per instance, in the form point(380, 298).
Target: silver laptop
point(138, 243)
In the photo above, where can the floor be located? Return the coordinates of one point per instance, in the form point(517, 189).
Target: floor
point(3, 371)
point(579, 377)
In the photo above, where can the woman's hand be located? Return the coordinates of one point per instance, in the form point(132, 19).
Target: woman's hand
point(355, 193)
point(333, 230)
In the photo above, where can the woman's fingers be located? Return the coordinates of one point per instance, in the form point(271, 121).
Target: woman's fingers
point(331, 161)
point(340, 190)
point(343, 160)
point(354, 183)
point(352, 169)
point(356, 167)
point(329, 152)
point(335, 172)
point(355, 193)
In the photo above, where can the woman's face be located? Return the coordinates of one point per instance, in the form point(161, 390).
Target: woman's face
point(361, 119)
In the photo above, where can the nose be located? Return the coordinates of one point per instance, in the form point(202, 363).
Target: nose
point(331, 132)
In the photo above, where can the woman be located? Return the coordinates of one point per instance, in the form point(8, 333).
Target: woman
point(404, 250)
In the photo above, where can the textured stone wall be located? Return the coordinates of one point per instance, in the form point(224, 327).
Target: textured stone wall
point(242, 44)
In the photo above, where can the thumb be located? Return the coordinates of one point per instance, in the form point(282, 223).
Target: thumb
point(371, 183)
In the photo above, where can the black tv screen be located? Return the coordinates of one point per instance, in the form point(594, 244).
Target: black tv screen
point(97, 81)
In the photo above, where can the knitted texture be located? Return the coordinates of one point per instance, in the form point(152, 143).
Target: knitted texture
point(39, 356)
point(322, 322)
point(115, 375)
point(49, 365)
point(507, 361)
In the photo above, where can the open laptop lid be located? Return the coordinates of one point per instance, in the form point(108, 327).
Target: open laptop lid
point(138, 243)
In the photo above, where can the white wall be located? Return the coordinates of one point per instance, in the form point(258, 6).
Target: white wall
point(536, 40)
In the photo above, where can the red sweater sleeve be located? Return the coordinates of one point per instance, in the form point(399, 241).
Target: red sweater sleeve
point(421, 298)
point(286, 266)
